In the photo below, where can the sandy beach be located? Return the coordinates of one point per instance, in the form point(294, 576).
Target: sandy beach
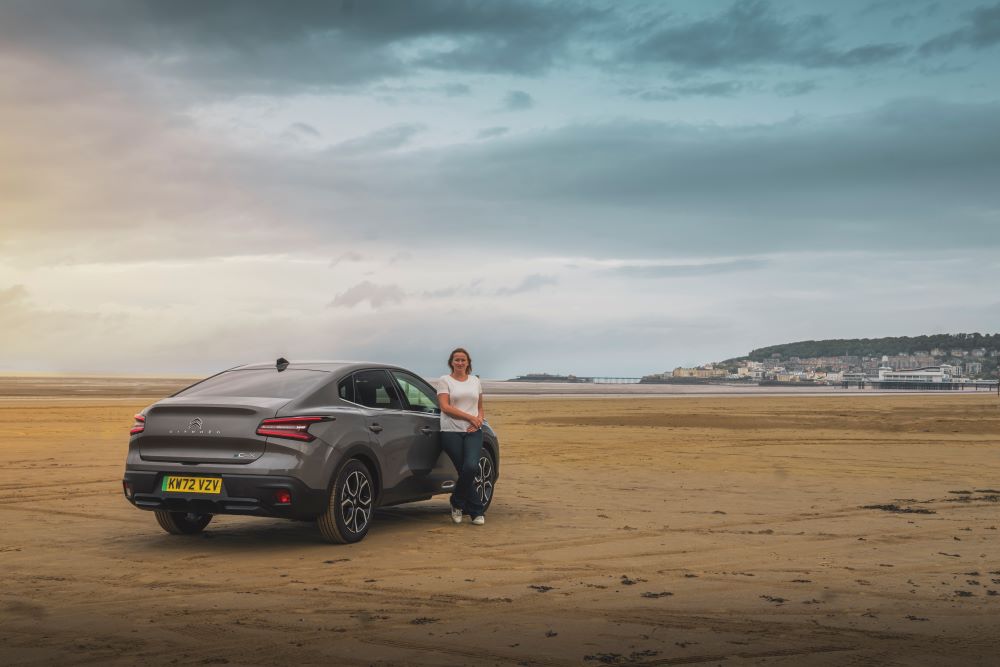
point(778, 530)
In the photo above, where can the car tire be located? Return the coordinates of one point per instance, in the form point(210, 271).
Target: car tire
point(182, 523)
point(351, 505)
point(486, 478)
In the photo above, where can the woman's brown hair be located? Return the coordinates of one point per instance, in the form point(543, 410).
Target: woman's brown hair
point(467, 356)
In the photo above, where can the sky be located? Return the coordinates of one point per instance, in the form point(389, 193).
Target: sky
point(606, 188)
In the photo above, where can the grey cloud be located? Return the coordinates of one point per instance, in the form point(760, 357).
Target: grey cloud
point(390, 93)
point(234, 46)
point(721, 89)
point(688, 270)
point(902, 20)
point(304, 128)
point(982, 30)
point(795, 88)
point(642, 189)
point(472, 288)
point(892, 174)
point(518, 100)
point(228, 48)
point(530, 283)
point(884, 6)
point(386, 139)
point(492, 132)
point(749, 32)
point(622, 188)
point(349, 256)
point(456, 89)
point(376, 295)
point(711, 89)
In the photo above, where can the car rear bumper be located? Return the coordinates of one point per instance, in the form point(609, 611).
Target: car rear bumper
point(251, 495)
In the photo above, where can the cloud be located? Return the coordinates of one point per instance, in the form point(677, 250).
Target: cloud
point(518, 100)
point(898, 169)
point(386, 139)
point(620, 187)
point(13, 295)
point(456, 89)
point(349, 256)
point(376, 295)
point(795, 88)
point(711, 89)
point(304, 129)
point(675, 270)
point(492, 132)
point(34, 337)
point(472, 288)
point(530, 283)
point(749, 32)
point(981, 31)
point(231, 47)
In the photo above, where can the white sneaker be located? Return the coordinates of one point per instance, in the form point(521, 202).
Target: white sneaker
point(479, 521)
point(456, 515)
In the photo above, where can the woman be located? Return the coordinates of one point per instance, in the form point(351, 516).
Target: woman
point(461, 397)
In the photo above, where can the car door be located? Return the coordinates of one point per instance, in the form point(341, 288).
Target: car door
point(395, 430)
point(420, 399)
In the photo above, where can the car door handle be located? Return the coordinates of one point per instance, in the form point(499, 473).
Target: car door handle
point(426, 430)
point(375, 428)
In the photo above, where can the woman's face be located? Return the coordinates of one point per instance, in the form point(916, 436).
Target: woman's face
point(459, 362)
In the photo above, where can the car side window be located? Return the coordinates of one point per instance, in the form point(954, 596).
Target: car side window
point(345, 389)
point(374, 389)
point(418, 394)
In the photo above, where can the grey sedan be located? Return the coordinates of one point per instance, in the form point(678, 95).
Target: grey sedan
point(327, 441)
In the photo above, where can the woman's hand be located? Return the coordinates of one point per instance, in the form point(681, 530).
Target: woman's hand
point(477, 423)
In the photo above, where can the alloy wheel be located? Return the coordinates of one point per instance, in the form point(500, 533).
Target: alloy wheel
point(356, 502)
point(484, 480)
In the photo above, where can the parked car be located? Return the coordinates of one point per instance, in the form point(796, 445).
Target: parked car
point(326, 441)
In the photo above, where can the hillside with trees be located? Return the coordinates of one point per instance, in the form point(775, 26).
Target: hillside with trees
point(876, 347)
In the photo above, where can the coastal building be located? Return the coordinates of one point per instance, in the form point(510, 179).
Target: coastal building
point(932, 374)
point(699, 372)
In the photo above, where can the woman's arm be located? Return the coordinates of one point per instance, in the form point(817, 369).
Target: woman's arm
point(452, 411)
point(481, 417)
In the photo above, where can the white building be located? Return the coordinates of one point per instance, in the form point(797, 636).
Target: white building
point(942, 373)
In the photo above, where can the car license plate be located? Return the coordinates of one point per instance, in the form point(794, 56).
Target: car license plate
point(175, 484)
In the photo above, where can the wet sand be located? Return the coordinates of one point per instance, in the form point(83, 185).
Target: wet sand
point(823, 530)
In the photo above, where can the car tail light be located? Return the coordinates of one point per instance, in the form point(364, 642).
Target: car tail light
point(294, 428)
point(282, 497)
point(127, 487)
point(139, 425)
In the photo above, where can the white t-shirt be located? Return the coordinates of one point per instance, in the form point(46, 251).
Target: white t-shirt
point(464, 396)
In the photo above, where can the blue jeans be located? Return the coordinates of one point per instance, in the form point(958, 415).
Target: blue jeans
point(464, 449)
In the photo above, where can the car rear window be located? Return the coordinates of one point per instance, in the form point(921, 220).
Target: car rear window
point(262, 382)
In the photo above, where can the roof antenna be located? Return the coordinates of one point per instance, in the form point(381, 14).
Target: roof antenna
point(282, 364)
